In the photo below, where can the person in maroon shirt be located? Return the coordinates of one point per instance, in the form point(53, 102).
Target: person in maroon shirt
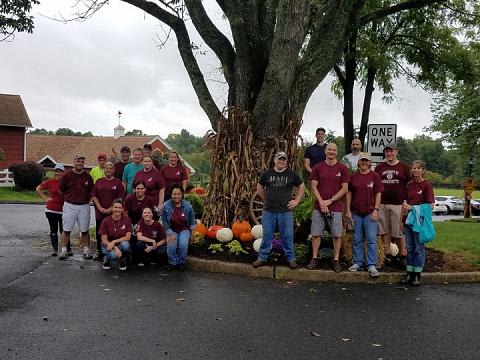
point(76, 186)
point(173, 173)
point(124, 160)
point(419, 191)
point(104, 191)
point(152, 179)
point(54, 207)
point(363, 200)
point(136, 202)
point(147, 150)
point(394, 174)
point(329, 185)
point(151, 238)
point(116, 231)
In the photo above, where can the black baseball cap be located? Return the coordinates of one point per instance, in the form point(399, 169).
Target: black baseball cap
point(125, 149)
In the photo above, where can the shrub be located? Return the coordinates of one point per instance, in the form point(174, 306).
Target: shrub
point(27, 175)
point(197, 204)
point(216, 248)
point(235, 248)
point(3, 157)
point(302, 253)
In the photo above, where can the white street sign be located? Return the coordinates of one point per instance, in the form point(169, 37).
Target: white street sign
point(379, 136)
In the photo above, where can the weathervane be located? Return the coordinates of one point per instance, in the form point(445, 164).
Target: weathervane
point(119, 114)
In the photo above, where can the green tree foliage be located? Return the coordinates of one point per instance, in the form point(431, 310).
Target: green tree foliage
point(60, 132)
point(185, 143)
point(14, 17)
point(135, 132)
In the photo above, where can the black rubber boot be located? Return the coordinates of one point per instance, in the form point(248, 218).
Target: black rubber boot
point(408, 278)
point(416, 279)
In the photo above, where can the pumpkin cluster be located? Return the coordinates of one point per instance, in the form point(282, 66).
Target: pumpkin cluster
point(241, 230)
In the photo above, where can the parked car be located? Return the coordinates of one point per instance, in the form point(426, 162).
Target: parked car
point(439, 208)
point(454, 205)
point(475, 207)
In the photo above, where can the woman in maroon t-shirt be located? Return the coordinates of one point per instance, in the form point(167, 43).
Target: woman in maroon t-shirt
point(419, 191)
point(151, 238)
point(136, 202)
point(48, 191)
point(116, 231)
point(152, 179)
point(174, 173)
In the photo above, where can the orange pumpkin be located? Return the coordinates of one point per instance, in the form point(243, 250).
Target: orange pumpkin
point(202, 229)
point(212, 231)
point(198, 191)
point(246, 237)
point(239, 227)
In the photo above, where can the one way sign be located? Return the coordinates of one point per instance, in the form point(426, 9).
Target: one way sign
point(379, 136)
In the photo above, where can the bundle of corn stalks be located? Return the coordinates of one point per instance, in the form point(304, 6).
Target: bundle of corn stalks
point(237, 160)
point(347, 249)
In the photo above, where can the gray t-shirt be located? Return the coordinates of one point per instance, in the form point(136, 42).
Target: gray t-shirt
point(278, 189)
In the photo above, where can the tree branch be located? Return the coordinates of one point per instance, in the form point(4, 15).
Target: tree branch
point(215, 39)
point(340, 76)
point(185, 48)
point(406, 5)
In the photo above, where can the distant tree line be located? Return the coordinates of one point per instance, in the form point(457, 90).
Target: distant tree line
point(60, 132)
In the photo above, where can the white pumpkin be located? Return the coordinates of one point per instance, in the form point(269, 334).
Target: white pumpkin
point(393, 249)
point(224, 235)
point(257, 231)
point(256, 245)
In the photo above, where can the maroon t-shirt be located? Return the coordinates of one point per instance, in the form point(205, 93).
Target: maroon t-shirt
point(76, 188)
point(119, 166)
point(55, 203)
point(154, 231)
point(152, 179)
point(419, 193)
point(135, 207)
point(364, 187)
point(394, 179)
point(330, 179)
point(178, 221)
point(173, 175)
point(106, 191)
point(115, 229)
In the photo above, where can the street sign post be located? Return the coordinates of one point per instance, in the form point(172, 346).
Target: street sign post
point(379, 136)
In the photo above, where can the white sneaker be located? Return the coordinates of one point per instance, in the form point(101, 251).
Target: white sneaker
point(354, 268)
point(372, 270)
point(63, 255)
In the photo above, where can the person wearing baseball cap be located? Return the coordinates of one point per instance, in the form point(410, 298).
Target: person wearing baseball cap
point(124, 160)
point(363, 202)
point(395, 175)
point(275, 189)
point(98, 171)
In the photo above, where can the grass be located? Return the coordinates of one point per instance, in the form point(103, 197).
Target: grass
point(454, 192)
point(8, 194)
point(458, 237)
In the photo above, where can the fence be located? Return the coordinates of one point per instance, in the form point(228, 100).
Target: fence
point(6, 178)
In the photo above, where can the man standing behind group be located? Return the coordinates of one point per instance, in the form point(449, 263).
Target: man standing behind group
point(351, 160)
point(315, 154)
point(124, 161)
point(98, 171)
point(147, 150)
point(76, 186)
point(395, 175)
point(275, 188)
point(329, 186)
point(131, 170)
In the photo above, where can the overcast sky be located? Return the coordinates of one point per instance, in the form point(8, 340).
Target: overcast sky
point(78, 75)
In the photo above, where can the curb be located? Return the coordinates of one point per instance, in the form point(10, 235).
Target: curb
point(284, 273)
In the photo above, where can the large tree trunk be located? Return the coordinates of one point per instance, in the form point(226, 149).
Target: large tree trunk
point(367, 100)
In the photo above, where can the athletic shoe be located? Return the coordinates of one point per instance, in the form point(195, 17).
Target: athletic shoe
point(182, 267)
point(122, 264)
point(312, 265)
point(292, 264)
point(106, 264)
point(170, 267)
point(140, 264)
point(87, 255)
point(354, 268)
point(372, 270)
point(257, 263)
point(70, 252)
point(54, 254)
point(63, 255)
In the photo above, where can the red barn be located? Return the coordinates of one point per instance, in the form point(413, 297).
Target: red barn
point(14, 122)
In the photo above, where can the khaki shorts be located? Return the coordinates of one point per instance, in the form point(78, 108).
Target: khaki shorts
point(390, 220)
point(320, 220)
point(76, 214)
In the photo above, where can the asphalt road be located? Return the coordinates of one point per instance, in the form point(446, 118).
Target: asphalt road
point(75, 310)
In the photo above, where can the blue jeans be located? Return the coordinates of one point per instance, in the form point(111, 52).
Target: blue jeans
point(364, 229)
point(284, 220)
point(415, 250)
point(124, 247)
point(178, 249)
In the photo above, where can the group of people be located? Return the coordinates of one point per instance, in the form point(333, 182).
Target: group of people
point(129, 199)
point(377, 201)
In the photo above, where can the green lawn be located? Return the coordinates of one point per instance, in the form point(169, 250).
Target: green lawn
point(454, 192)
point(458, 237)
point(7, 194)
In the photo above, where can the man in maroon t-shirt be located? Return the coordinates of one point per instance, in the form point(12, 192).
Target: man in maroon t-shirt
point(395, 175)
point(124, 160)
point(329, 185)
point(76, 186)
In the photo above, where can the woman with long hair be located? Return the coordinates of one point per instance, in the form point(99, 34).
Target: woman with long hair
point(154, 183)
point(178, 218)
point(174, 173)
point(151, 239)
